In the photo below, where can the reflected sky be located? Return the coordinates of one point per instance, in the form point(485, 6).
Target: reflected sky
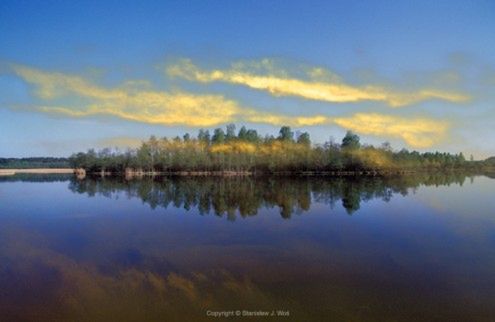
point(109, 249)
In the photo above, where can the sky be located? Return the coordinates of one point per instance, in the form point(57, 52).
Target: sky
point(90, 74)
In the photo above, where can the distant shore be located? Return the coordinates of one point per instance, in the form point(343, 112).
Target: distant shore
point(10, 172)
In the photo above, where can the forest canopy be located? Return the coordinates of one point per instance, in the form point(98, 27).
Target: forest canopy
point(245, 149)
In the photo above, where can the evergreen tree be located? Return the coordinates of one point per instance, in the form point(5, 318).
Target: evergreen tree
point(286, 134)
point(351, 141)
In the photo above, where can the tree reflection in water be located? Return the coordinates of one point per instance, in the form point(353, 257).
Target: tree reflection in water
point(244, 196)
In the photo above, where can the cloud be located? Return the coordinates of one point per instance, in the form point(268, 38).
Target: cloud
point(120, 142)
point(277, 119)
point(322, 85)
point(418, 132)
point(130, 101)
point(76, 97)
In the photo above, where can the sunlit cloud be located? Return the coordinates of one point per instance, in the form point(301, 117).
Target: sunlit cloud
point(129, 101)
point(50, 85)
point(253, 116)
point(77, 97)
point(120, 142)
point(321, 85)
point(417, 132)
point(133, 103)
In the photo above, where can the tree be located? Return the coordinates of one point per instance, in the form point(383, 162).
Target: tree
point(351, 141)
point(204, 136)
point(230, 132)
point(286, 134)
point(144, 156)
point(78, 160)
point(252, 136)
point(218, 136)
point(386, 146)
point(242, 133)
point(304, 139)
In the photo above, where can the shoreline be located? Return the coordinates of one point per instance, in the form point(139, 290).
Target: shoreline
point(11, 172)
point(80, 173)
point(349, 173)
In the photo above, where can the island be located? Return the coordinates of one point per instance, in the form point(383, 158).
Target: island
point(245, 152)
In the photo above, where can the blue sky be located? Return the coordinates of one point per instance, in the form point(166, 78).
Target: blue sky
point(75, 75)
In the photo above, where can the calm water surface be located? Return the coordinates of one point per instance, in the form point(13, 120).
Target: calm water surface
point(417, 248)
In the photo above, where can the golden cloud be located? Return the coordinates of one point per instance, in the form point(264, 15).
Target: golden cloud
point(254, 116)
point(51, 85)
point(155, 107)
point(135, 102)
point(418, 132)
point(322, 85)
point(120, 142)
point(129, 101)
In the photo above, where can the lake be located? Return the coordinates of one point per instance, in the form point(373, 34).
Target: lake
point(412, 248)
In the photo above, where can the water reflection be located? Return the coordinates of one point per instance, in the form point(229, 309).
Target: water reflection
point(416, 248)
point(31, 177)
point(246, 195)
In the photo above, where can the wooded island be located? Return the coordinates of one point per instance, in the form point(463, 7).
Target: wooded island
point(246, 152)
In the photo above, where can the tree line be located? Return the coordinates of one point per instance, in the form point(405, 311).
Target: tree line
point(35, 162)
point(246, 150)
